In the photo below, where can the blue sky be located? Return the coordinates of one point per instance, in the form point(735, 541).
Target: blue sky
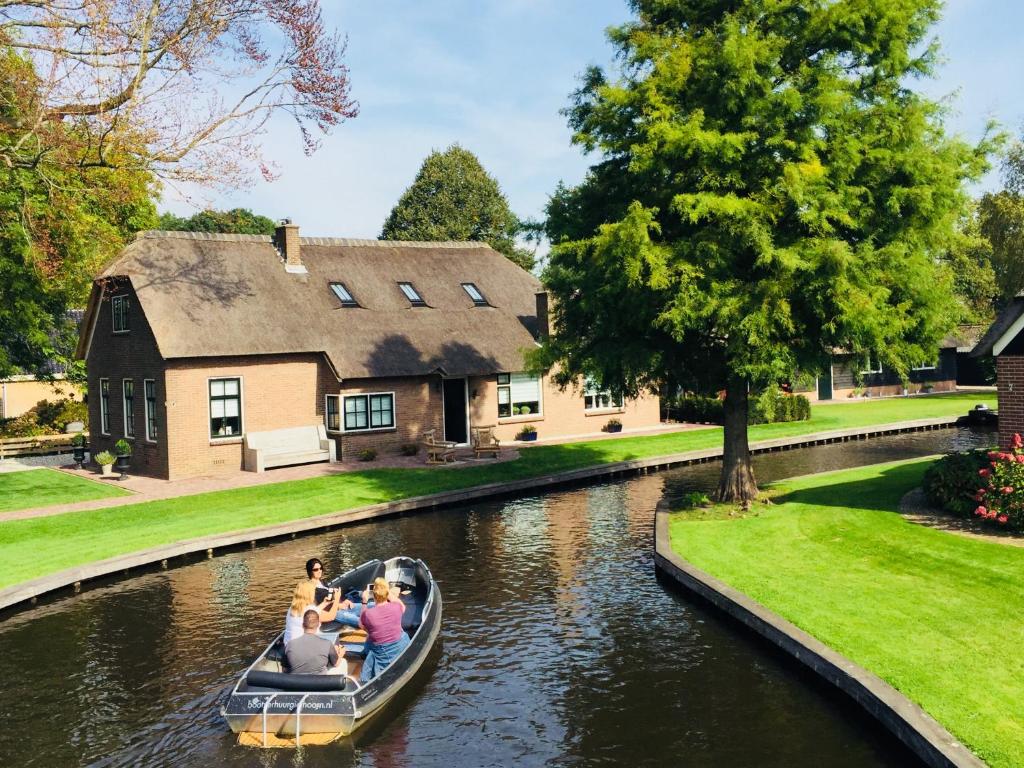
point(493, 76)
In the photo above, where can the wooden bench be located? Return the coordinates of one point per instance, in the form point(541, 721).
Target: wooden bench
point(283, 447)
point(484, 441)
point(438, 451)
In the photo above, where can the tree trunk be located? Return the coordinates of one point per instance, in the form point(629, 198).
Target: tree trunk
point(737, 483)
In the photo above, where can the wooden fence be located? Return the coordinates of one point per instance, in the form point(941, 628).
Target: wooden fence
point(36, 446)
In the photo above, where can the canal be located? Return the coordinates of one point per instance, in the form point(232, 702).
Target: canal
point(559, 647)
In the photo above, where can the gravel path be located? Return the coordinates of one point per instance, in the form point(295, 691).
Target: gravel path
point(914, 506)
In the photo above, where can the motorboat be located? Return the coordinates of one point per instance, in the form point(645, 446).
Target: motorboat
point(270, 706)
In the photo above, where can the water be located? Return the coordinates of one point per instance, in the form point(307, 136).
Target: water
point(559, 647)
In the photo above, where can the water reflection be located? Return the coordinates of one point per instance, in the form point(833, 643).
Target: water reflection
point(560, 647)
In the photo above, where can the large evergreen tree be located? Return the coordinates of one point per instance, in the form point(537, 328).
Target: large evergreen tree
point(454, 198)
point(1001, 219)
point(769, 188)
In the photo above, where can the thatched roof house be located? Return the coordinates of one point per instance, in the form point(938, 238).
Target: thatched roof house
point(379, 340)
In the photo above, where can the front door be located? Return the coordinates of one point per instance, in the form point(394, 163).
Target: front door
point(455, 410)
point(825, 385)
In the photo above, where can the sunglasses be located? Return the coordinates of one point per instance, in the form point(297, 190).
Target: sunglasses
point(317, 568)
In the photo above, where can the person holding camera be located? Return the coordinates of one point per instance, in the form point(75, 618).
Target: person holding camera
point(346, 611)
point(385, 638)
point(304, 599)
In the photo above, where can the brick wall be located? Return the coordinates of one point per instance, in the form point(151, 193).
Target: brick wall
point(1010, 386)
point(127, 355)
point(562, 413)
point(278, 391)
point(418, 407)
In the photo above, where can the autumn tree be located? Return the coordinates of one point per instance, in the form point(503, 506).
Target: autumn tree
point(768, 188)
point(239, 221)
point(104, 98)
point(454, 198)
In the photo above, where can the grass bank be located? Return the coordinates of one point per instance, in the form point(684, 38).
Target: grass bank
point(938, 616)
point(81, 537)
point(46, 487)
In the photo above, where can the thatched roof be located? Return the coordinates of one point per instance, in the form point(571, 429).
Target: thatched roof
point(208, 295)
point(1000, 327)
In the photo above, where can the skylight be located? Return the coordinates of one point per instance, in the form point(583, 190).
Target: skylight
point(475, 295)
point(344, 295)
point(410, 293)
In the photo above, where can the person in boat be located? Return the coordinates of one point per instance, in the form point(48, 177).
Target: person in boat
point(304, 599)
point(347, 611)
point(310, 654)
point(383, 624)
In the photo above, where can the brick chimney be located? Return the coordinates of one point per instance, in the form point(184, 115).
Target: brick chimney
point(543, 324)
point(286, 238)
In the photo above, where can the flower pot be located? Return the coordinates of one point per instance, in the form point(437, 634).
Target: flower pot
point(79, 452)
point(122, 465)
point(614, 427)
point(529, 438)
point(106, 470)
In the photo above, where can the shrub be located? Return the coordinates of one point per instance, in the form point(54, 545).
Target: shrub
point(694, 499)
point(104, 457)
point(951, 483)
point(123, 448)
point(367, 454)
point(409, 449)
point(1001, 497)
point(698, 409)
point(772, 405)
point(526, 431)
point(78, 440)
point(46, 418)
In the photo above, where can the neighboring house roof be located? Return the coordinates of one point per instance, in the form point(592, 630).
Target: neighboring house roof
point(208, 295)
point(1004, 330)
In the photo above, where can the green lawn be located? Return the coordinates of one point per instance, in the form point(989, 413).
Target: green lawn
point(936, 615)
point(46, 487)
point(81, 537)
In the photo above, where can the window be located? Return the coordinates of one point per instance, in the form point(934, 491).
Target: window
point(225, 407)
point(475, 295)
point(873, 366)
point(331, 415)
point(518, 394)
point(150, 392)
point(128, 390)
point(344, 295)
point(376, 411)
point(595, 399)
point(119, 311)
point(105, 406)
point(410, 293)
point(924, 367)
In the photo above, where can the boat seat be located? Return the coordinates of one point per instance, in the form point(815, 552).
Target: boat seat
point(281, 681)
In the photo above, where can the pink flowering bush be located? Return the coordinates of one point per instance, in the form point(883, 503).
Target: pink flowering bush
point(1001, 496)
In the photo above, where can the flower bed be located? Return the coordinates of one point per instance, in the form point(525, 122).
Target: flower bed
point(1001, 497)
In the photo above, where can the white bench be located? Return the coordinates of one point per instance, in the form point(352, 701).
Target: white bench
point(281, 447)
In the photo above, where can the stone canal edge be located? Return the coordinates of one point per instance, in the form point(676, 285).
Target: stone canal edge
point(27, 593)
point(932, 743)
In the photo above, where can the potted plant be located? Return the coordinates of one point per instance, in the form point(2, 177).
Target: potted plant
point(123, 449)
point(613, 425)
point(78, 446)
point(927, 386)
point(527, 434)
point(106, 460)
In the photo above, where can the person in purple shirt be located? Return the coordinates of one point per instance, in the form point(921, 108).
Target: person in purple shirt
point(383, 624)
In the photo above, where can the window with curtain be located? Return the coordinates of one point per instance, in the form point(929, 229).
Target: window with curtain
point(518, 394)
point(225, 408)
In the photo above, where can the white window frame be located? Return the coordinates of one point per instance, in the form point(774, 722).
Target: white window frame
point(540, 396)
point(341, 421)
point(924, 367)
point(351, 301)
point(416, 298)
point(104, 407)
point(479, 300)
point(115, 302)
point(369, 413)
point(126, 411)
point(150, 414)
point(590, 390)
point(241, 410)
point(871, 370)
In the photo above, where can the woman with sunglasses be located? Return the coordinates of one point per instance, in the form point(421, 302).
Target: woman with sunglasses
point(347, 611)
